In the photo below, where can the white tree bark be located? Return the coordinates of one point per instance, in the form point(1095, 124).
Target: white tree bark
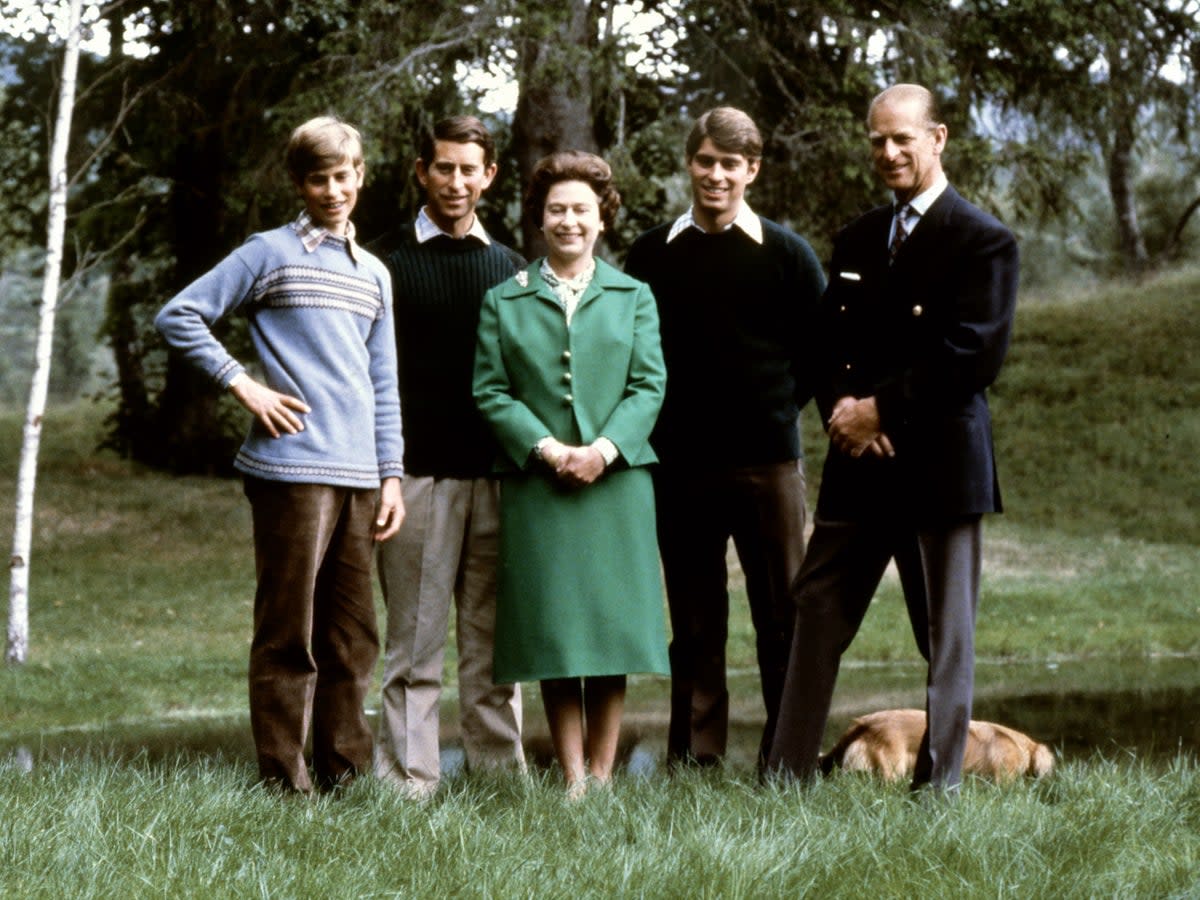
point(17, 648)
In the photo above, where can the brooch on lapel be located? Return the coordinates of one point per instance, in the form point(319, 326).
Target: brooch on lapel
point(523, 278)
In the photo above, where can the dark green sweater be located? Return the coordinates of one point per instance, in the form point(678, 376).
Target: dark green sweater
point(438, 288)
point(736, 319)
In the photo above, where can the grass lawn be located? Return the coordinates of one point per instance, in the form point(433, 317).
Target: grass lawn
point(140, 616)
point(192, 828)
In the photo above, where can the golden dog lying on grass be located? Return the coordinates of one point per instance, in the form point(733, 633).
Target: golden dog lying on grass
point(886, 742)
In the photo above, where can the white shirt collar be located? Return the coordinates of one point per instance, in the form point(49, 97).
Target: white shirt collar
point(427, 228)
point(313, 235)
point(746, 220)
point(920, 204)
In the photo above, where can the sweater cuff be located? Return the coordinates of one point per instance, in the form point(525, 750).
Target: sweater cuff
point(390, 468)
point(229, 373)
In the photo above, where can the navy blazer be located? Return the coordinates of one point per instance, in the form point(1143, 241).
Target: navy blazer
point(926, 337)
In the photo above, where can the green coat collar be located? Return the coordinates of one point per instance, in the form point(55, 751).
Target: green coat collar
point(529, 281)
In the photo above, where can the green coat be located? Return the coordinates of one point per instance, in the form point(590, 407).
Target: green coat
point(604, 376)
point(578, 588)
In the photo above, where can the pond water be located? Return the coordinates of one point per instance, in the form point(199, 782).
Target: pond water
point(1144, 709)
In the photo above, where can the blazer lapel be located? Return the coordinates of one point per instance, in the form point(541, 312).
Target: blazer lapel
point(921, 245)
point(868, 250)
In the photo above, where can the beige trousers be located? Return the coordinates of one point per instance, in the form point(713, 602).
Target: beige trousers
point(446, 550)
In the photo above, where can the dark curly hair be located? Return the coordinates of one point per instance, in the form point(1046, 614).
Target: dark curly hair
point(572, 165)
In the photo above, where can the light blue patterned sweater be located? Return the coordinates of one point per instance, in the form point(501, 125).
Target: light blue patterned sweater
point(321, 323)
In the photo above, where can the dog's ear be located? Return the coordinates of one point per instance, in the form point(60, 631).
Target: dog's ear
point(825, 763)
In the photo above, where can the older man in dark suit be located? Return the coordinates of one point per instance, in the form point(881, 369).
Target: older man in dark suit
point(913, 328)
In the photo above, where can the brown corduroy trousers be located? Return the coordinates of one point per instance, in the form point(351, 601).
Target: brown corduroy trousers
point(315, 638)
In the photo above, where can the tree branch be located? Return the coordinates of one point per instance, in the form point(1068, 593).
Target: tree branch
point(1177, 234)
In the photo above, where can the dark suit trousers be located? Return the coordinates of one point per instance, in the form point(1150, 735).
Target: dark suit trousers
point(939, 570)
point(762, 509)
point(315, 639)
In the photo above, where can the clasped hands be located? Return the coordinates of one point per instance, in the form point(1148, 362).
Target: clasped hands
point(854, 428)
point(576, 466)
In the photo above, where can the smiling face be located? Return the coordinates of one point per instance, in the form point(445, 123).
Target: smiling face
point(719, 180)
point(454, 180)
point(329, 194)
point(571, 224)
point(906, 147)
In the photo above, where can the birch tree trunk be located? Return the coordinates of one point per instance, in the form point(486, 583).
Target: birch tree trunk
point(18, 598)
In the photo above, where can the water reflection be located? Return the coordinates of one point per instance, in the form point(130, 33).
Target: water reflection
point(1146, 709)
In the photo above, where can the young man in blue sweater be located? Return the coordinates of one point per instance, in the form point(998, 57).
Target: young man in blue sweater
point(322, 460)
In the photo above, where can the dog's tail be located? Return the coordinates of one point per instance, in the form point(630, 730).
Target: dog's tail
point(1041, 761)
point(826, 762)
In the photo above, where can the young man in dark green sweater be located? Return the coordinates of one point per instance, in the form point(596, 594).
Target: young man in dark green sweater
point(441, 266)
point(736, 295)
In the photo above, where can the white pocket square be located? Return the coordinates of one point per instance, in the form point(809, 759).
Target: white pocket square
point(850, 276)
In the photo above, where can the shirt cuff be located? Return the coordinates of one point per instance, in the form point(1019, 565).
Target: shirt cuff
point(607, 449)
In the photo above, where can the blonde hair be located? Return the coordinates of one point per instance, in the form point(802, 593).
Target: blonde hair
point(320, 143)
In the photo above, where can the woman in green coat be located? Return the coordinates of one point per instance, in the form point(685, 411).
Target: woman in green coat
point(569, 374)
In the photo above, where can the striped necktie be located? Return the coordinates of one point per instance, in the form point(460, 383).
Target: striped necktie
point(899, 235)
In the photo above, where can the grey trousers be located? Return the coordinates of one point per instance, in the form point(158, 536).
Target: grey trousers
point(446, 551)
point(939, 570)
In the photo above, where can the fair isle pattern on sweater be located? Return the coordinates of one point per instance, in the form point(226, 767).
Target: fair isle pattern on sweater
point(308, 286)
point(315, 474)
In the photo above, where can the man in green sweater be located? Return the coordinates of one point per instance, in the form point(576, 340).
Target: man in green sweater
point(736, 295)
point(441, 266)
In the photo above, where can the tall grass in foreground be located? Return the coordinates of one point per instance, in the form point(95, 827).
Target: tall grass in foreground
point(95, 828)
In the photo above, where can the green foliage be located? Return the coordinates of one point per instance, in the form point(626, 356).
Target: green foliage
point(19, 294)
point(79, 363)
point(802, 71)
point(24, 189)
point(1053, 108)
point(1076, 73)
